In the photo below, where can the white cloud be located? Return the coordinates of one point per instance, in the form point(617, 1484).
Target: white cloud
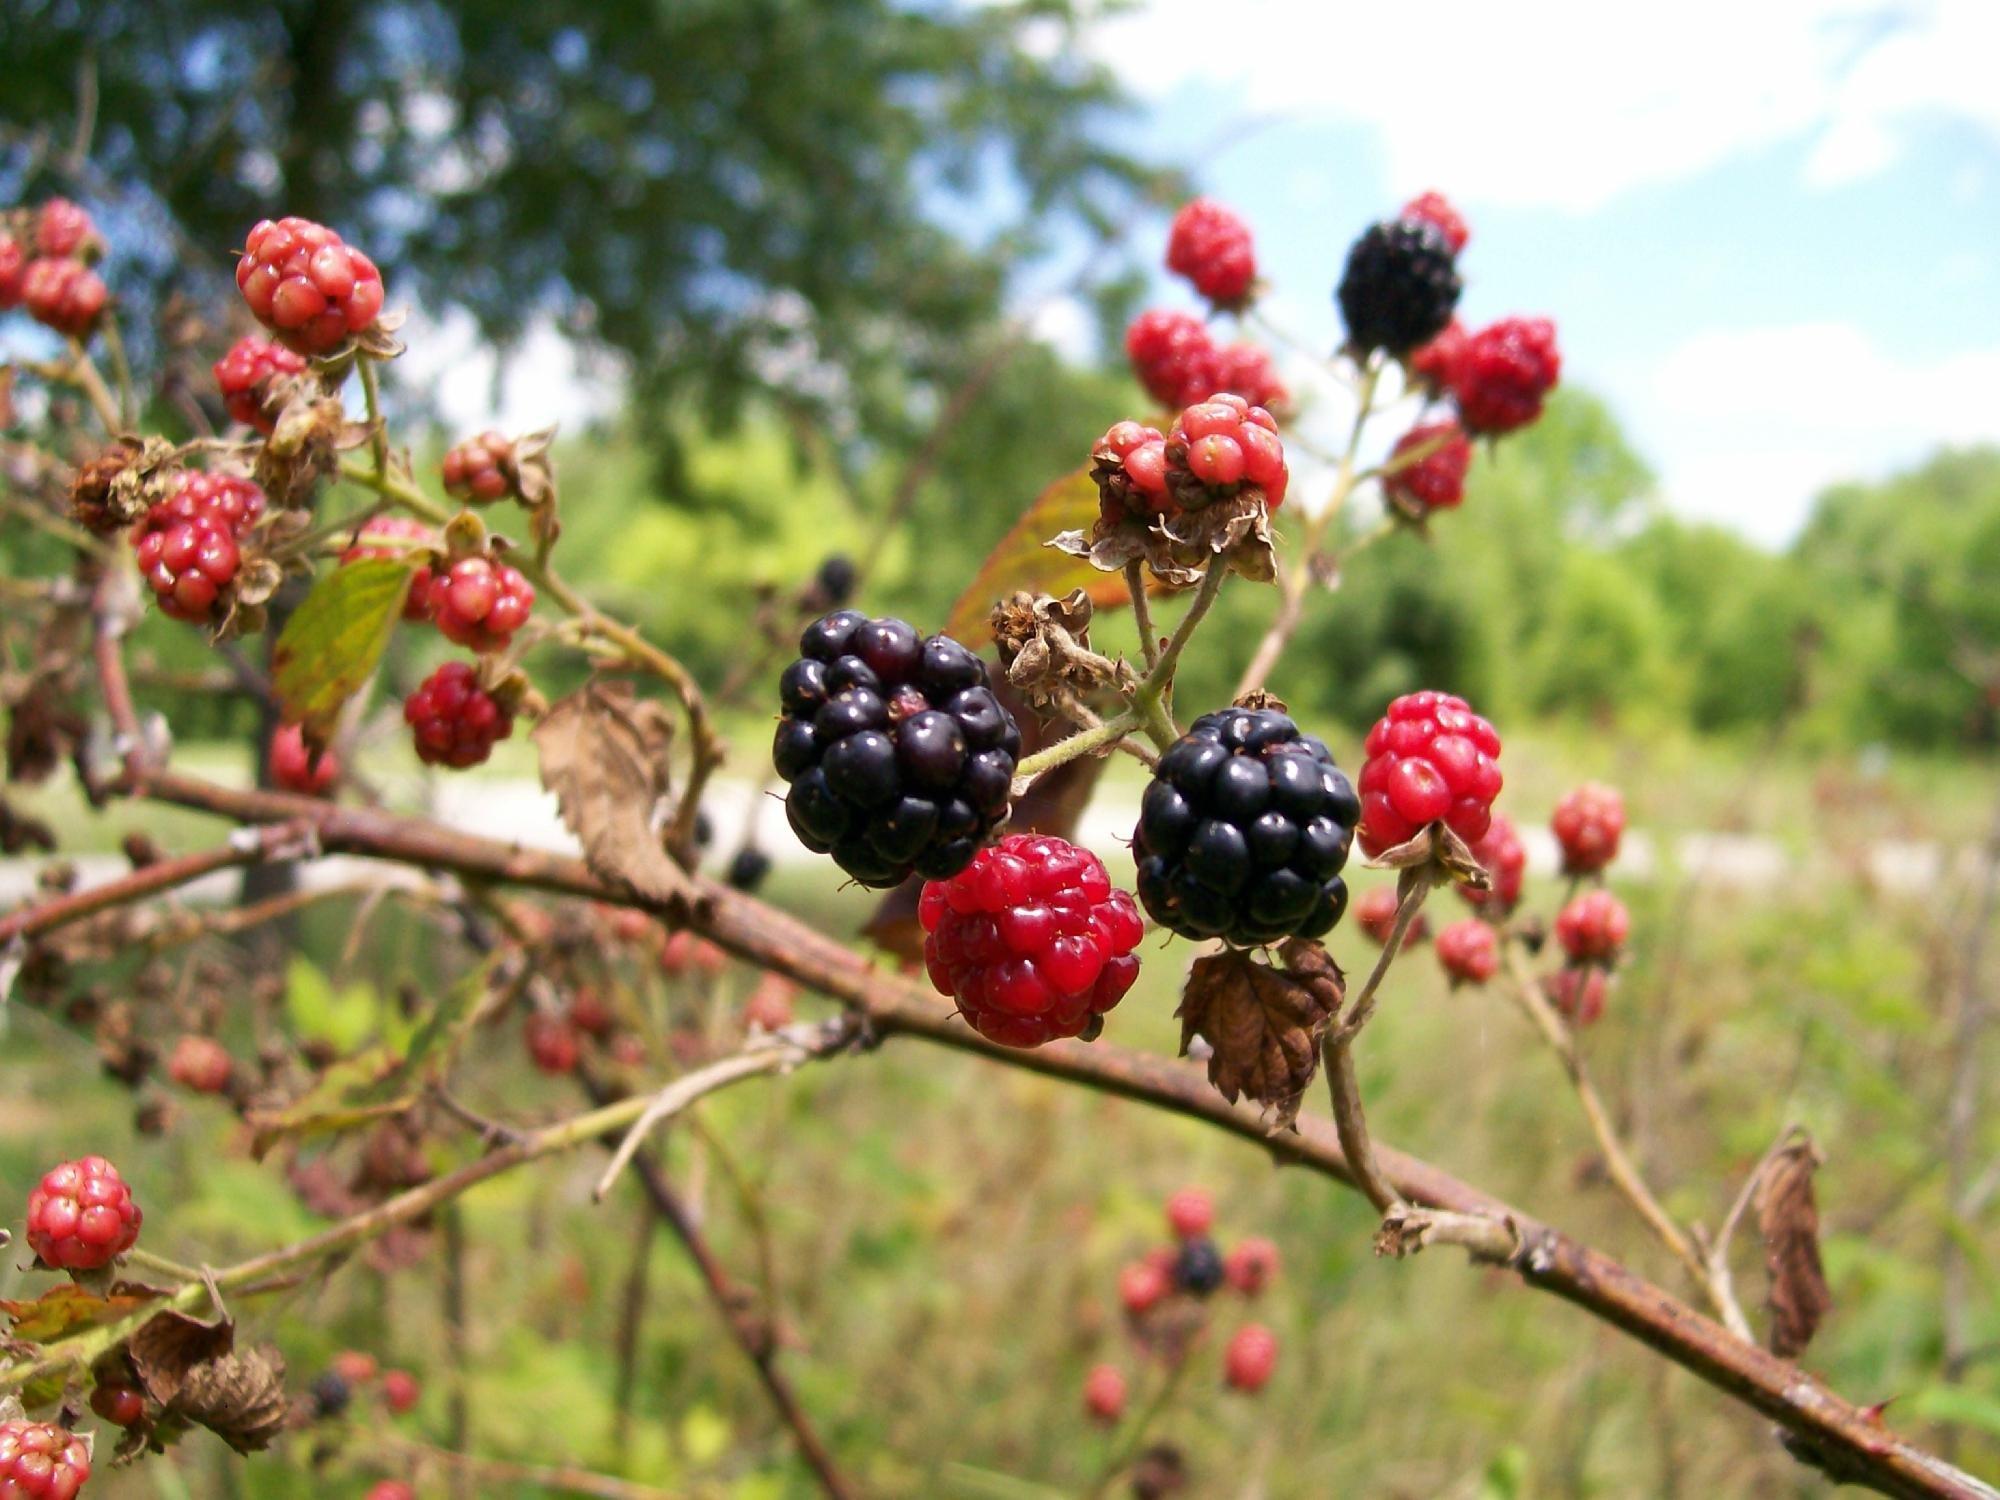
point(1763, 418)
point(543, 380)
point(1570, 102)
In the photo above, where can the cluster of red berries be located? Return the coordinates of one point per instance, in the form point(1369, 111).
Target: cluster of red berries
point(1499, 377)
point(1375, 912)
point(1178, 362)
point(81, 1216)
point(41, 1461)
point(244, 376)
point(1211, 247)
point(455, 721)
point(479, 603)
point(1182, 1275)
point(1592, 928)
point(1430, 759)
point(188, 544)
point(1505, 859)
point(295, 767)
point(201, 1064)
point(1215, 449)
point(56, 283)
point(307, 285)
point(1588, 823)
point(1031, 940)
point(480, 470)
point(1426, 469)
point(399, 537)
point(1469, 951)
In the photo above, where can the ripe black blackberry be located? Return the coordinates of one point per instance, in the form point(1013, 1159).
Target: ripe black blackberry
point(748, 867)
point(1198, 1268)
point(1400, 287)
point(833, 584)
point(331, 1393)
point(1244, 830)
point(899, 756)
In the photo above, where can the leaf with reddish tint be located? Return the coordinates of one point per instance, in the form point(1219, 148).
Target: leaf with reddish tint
point(63, 1310)
point(1023, 560)
point(1788, 1219)
point(1263, 1023)
point(334, 641)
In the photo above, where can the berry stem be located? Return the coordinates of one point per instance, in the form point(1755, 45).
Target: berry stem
point(82, 373)
point(1624, 1174)
point(1079, 744)
point(1142, 612)
point(121, 368)
point(378, 432)
point(1149, 698)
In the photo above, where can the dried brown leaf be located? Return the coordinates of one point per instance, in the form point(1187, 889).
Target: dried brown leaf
point(1263, 1022)
point(1788, 1219)
point(170, 1346)
point(604, 755)
point(238, 1397)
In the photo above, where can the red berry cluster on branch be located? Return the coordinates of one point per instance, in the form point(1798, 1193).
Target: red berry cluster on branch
point(1588, 823)
point(1578, 994)
point(200, 1064)
point(1426, 469)
point(399, 537)
point(64, 229)
point(1469, 951)
point(187, 545)
point(1503, 374)
point(456, 722)
point(244, 377)
point(81, 1216)
point(479, 603)
point(1505, 858)
point(479, 470)
point(1430, 759)
point(41, 1461)
point(1375, 912)
point(1211, 247)
point(1593, 927)
point(294, 767)
point(1179, 363)
point(65, 294)
point(307, 285)
point(1031, 940)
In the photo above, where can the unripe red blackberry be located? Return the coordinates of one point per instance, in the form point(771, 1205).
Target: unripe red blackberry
point(1244, 831)
point(1198, 1267)
point(187, 544)
point(1469, 950)
point(1505, 858)
point(400, 1391)
point(1129, 464)
point(1593, 927)
point(1246, 370)
point(1588, 823)
point(1104, 1393)
point(1436, 209)
point(307, 285)
point(244, 377)
point(686, 953)
point(391, 1489)
point(66, 295)
point(1375, 912)
point(294, 768)
point(200, 1064)
point(1434, 481)
point(1143, 1285)
point(120, 1405)
point(1218, 447)
point(553, 1043)
point(454, 720)
point(1030, 940)
point(62, 228)
point(1250, 1358)
point(1190, 1212)
point(1211, 247)
point(1172, 355)
point(355, 1366)
point(384, 537)
point(479, 603)
point(899, 756)
point(589, 1013)
point(770, 1006)
point(480, 469)
point(13, 271)
point(1399, 288)
point(1504, 374)
point(81, 1216)
point(1434, 367)
point(1430, 759)
point(1251, 1265)
point(41, 1461)
point(1578, 994)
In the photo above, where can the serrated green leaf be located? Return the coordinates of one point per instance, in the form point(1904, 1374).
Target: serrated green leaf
point(333, 642)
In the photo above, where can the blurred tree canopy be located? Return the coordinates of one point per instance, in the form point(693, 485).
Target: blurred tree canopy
point(812, 200)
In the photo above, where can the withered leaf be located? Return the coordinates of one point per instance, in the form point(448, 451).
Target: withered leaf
point(169, 1347)
point(65, 1309)
point(1788, 1219)
point(239, 1397)
point(1263, 1022)
point(604, 755)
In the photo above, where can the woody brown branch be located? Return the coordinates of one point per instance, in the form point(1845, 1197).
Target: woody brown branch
point(1840, 1435)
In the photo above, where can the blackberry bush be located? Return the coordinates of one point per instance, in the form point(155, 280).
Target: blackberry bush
point(899, 756)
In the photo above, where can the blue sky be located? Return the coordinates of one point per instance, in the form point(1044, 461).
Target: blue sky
point(1769, 230)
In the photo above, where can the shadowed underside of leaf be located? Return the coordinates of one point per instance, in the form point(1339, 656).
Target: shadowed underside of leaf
point(604, 755)
point(1022, 560)
point(333, 642)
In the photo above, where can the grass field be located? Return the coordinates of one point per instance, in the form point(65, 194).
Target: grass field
point(943, 1237)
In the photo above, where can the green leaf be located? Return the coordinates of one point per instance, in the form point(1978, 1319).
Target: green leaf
point(331, 645)
point(343, 1018)
point(348, 1095)
point(65, 1309)
point(439, 1034)
point(1958, 1406)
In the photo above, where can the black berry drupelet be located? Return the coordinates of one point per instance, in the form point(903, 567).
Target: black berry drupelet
point(1400, 286)
point(748, 867)
point(900, 757)
point(1244, 830)
point(1198, 1268)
